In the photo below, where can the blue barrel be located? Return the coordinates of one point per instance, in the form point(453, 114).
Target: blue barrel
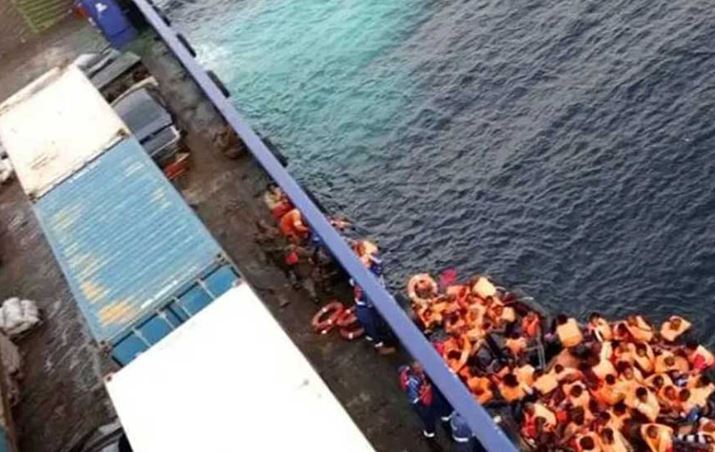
point(111, 21)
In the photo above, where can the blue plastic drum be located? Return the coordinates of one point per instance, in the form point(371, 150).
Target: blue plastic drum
point(111, 21)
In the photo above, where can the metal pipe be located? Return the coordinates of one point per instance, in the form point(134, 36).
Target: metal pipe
point(481, 423)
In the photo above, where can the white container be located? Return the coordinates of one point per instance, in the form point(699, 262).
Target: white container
point(54, 126)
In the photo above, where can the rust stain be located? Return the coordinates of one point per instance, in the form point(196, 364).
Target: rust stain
point(92, 291)
point(117, 312)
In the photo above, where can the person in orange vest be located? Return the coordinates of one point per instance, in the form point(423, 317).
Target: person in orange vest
point(516, 344)
point(531, 325)
point(658, 438)
point(646, 403)
point(674, 328)
point(568, 331)
point(276, 201)
point(588, 443)
point(293, 228)
point(612, 440)
point(639, 328)
point(599, 328)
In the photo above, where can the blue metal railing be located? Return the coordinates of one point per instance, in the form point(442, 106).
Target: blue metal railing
point(481, 423)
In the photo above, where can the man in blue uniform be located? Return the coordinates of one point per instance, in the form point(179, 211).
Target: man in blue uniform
point(414, 382)
point(370, 321)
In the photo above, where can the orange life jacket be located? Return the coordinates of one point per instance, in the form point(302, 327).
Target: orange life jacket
point(609, 395)
point(644, 362)
point(603, 368)
point(596, 443)
point(641, 331)
point(508, 315)
point(531, 327)
point(670, 334)
point(484, 288)
point(511, 394)
point(541, 411)
point(620, 444)
point(516, 346)
point(569, 333)
point(660, 367)
point(663, 442)
point(666, 380)
point(546, 383)
point(649, 409)
point(525, 374)
point(603, 328)
point(291, 225)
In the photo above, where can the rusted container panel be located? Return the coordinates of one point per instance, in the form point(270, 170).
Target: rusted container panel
point(131, 249)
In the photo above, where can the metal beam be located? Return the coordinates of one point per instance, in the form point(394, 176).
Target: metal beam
point(481, 423)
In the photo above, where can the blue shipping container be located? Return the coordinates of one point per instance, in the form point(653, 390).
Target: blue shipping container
point(137, 259)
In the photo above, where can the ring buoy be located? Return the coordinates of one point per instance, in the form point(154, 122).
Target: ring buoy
point(352, 332)
point(326, 319)
point(350, 328)
point(421, 283)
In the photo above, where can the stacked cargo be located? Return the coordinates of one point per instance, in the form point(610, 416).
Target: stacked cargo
point(137, 259)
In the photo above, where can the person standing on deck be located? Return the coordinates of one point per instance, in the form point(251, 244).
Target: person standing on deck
point(370, 320)
point(415, 384)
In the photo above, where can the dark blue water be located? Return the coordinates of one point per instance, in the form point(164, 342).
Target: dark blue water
point(564, 146)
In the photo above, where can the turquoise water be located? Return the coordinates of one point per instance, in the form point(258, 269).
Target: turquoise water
point(565, 147)
point(315, 76)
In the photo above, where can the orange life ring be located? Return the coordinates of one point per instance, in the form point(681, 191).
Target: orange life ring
point(326, 319)
point(350, 328)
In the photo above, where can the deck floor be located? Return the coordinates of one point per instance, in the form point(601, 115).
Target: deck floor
point(63, 398)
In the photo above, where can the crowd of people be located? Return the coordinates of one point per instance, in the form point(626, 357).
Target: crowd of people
point(309, 264)
point(606, 386)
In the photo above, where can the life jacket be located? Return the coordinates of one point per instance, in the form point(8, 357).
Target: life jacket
point(609, 395)
point(699, 396)
point(644, 362)
point(581, 400)
point(606, 351)
point(483, 288)
point(620, 444)
point(546, 383)
point(511, 394)
point(663, 442)
point(602, 330)
point(525, 374)
point(569, 333)
point(508, 315)
point(670, 334)
point(641, 331)
point(541, 411)
point(516, 346)
point(530, 327)
point(603, 368)
point(457, 364)
point(482, 384)
point(660, 367)
point(666, 380)
point(649, 409)
point(596, 443)
point(291, 225)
